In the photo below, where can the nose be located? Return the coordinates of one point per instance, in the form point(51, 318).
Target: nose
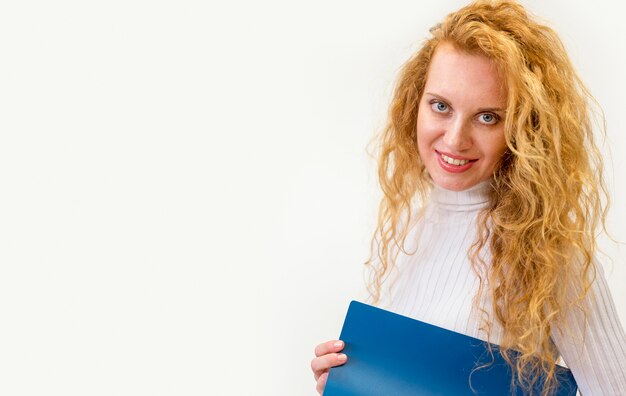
point(457, 137)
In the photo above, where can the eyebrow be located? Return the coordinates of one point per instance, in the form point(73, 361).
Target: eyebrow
point(480, 110)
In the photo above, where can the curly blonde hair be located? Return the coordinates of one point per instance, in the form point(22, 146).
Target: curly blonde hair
point(548, 192)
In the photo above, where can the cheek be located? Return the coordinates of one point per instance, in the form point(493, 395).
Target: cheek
point(426, 133)
point(497, 147)
point(502, 147)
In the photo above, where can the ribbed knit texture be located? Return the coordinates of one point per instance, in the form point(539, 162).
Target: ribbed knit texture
point(435, 283)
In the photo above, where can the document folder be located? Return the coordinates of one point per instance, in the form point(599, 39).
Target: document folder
point(391, 354)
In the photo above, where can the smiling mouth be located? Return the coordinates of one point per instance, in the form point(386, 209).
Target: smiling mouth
point(454, 161)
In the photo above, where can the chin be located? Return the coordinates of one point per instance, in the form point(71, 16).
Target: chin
point(454, 185)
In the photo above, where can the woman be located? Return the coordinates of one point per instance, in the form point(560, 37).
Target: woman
point(492, 195)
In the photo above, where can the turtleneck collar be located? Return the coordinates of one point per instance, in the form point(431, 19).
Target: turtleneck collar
point(473, 197)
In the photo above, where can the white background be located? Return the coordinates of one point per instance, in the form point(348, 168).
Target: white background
point(185, 195)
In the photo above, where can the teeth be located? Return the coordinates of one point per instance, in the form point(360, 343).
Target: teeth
point(453, 161)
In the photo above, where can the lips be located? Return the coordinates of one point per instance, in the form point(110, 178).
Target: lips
point(454, 163)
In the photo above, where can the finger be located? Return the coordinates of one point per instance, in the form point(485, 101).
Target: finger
point(323, 363)
point(321, 383)
point(328, 347)
point(318, 374)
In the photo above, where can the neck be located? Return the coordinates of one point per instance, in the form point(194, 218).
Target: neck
point(477, 194)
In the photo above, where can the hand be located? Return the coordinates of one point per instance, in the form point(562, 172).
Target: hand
point(326, 356)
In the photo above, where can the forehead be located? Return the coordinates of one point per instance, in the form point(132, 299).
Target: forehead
point(460, 76)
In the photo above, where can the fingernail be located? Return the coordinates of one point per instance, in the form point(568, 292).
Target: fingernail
point(342, 357)
point(338, 344)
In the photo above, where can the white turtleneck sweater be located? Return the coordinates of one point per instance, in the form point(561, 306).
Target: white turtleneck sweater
point(435, 283)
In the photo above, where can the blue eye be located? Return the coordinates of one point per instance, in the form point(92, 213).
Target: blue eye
point(488, 118)
point(439, 107)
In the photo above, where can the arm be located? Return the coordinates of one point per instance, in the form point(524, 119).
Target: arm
point(595, 348)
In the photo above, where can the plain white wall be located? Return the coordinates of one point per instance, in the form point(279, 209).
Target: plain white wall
point(186, 199)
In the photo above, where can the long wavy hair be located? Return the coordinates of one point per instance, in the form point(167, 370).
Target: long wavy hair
point(548, 194)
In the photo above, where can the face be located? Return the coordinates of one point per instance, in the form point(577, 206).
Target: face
point(460, 123)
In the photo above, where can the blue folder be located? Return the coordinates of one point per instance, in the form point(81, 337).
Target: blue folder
point(391, 354)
